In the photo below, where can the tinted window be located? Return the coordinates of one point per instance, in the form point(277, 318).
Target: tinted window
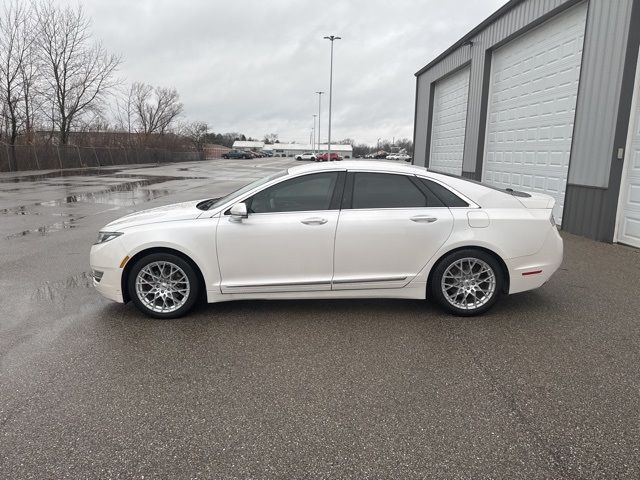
point(445, 195)
point(382, 190)
point(310, 192)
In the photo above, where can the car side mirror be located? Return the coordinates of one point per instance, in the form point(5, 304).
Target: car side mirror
point(238, 212)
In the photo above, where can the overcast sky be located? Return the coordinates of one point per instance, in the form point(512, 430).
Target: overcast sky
point(253, 66)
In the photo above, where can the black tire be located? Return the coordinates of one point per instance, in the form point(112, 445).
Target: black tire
point(193, 279)
point(225, 156)
point(486, 301)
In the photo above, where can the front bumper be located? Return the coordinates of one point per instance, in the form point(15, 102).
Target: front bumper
point(533, 271)
point(106, 258)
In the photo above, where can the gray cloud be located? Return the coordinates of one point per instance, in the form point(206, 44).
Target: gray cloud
point(252, 66)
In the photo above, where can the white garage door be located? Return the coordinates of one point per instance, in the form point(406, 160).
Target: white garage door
point(532, 102)
point(448, 123)
point(629, 206)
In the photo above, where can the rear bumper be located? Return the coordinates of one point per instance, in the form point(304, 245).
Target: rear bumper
point(532, 271)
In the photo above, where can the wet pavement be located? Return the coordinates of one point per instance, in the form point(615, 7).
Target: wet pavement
point(545, 386)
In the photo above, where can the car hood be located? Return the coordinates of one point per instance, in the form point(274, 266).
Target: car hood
point(168, 213)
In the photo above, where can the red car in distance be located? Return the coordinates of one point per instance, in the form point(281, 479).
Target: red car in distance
point(324, 157)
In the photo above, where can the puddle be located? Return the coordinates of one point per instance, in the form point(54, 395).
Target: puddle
point(126, 194)
point(73, 172)
point(46, 229)
point(58, 290)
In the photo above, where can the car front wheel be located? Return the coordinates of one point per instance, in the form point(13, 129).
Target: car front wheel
point(163, 285)
point(467, 282)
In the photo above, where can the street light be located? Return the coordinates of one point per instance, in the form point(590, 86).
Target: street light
point(331, 38)
point(319, 110)
point(313, 138)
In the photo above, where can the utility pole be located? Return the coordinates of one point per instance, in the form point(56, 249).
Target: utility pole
point(313, 137)
point(319, 111)
point(330, 38)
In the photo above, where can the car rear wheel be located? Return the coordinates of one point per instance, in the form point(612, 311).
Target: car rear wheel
point(467, 282)
point(163, 285)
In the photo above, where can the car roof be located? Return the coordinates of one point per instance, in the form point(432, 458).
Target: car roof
point(479, 194)
point(369, 165)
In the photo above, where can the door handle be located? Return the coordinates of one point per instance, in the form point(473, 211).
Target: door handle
point(314, 221)
point(423, 219)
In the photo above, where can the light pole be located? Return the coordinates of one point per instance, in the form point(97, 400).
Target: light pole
point(313, 138)
point(331, 38)
point(319, 110)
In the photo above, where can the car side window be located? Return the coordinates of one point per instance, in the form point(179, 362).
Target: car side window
point(383, 190)
point(446, 196)
point(306, 193)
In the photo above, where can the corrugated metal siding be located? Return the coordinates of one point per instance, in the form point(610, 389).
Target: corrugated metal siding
point(599, 92)
point(579, 201)
point(421, 120)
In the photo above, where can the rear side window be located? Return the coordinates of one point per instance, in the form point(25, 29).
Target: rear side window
point(382, 190)
point(306, 193)
point(446, 196)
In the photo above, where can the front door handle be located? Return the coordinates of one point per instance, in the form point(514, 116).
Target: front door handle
point(423, 219)
point(314, 221)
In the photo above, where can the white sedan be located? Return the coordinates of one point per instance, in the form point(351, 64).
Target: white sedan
point(349, 230)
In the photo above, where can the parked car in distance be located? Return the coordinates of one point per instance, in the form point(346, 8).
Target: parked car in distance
point(266, 153)
point(306, 156)
point(404, 157)
point(237, 154)
point(374, 230)
point(325, 157)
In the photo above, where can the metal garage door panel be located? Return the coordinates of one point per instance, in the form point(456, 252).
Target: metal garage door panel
point(532, 102)
point(448, 123)
point(629, 223)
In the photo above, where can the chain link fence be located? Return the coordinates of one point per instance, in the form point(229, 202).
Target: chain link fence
point(45, 157)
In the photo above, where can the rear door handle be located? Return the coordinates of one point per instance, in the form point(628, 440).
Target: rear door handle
point(423, 219)
point(314, 221)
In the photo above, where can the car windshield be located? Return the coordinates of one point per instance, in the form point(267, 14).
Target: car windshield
point(216, 202)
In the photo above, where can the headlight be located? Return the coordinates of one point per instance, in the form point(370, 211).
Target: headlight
point(106, 236)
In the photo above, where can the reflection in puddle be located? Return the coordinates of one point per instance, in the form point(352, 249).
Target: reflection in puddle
point(46, 229)
point(122, 194)
point(127, 194)
point(58, 290)
point(79, 172)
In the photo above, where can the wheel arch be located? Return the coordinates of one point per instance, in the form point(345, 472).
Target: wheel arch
point(148, 251)
point(498, 258)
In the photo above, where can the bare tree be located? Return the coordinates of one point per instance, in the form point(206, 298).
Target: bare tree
point(79, 72)
point(270, 138)
point(125, 112)
point(196, 132)
point(15, 43)
point(155, 109)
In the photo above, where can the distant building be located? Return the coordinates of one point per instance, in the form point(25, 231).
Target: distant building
point(248, 145)
point(293, 149)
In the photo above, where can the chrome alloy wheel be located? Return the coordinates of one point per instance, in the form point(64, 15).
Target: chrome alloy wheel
point(162, 287)
point(468, 283)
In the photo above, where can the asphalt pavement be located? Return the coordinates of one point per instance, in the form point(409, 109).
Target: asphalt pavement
point(546, 385)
